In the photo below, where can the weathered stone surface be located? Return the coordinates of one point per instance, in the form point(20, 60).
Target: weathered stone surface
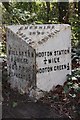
point(38, 55)
point(36, 94)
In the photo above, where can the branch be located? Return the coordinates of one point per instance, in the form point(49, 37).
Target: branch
point(6, 5)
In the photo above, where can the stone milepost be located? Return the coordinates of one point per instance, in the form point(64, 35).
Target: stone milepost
point(38, 55)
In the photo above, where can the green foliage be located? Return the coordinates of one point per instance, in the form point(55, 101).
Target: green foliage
point(24, 13)
point(74, 21)
point(14, 104)
point(40, 13)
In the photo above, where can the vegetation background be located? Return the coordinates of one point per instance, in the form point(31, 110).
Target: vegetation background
point(68, 95)
point(42, 12)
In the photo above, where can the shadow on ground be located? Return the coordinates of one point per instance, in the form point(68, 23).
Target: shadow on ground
point(19, 106)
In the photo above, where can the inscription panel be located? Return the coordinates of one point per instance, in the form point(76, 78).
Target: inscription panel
point(21, 59)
